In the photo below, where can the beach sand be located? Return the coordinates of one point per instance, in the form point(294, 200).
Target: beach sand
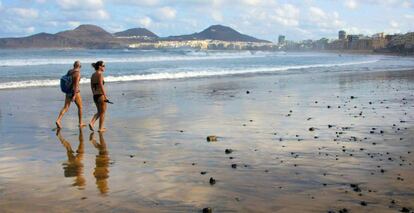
point(299, 143)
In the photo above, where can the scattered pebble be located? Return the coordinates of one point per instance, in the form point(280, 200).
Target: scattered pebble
point(211, 138)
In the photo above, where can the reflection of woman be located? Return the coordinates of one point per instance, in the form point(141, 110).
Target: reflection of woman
point(74, 166)
point(101, 172)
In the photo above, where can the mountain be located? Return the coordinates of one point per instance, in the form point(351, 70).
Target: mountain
point(84, 36)
point(41, 40)
point(91, 36)
point(136, 32)
point(86, 32)
point(217, 32)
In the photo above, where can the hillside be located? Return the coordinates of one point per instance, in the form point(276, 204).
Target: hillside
point(217, 32)
point(136, 32)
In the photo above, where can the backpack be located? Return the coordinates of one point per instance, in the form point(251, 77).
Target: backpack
point(66, 83)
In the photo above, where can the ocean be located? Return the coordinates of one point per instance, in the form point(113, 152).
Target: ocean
point(40, 68)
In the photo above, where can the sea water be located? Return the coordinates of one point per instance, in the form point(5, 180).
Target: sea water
point(25, 68)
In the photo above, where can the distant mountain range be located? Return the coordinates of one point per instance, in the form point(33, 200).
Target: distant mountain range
point(91, 36)
point(217, 32)
point(136, 32)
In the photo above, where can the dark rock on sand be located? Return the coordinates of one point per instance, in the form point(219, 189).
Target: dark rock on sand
point(363, 203)
point(228, 151)
point(203, 172)
point(211, 138)
point(404, 209)
point(234, 166)
point(355, 187)
point(344, 210)
point(207, 210)
point(311, 129)
point(212, 181)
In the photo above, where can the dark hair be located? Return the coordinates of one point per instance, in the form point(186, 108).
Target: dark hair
point(97, 64)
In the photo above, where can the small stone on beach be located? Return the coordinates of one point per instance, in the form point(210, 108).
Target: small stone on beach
point(207, 210)
point(212, 181)
point(211, 138)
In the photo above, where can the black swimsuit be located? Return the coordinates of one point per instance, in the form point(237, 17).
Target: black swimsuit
point(97, 96)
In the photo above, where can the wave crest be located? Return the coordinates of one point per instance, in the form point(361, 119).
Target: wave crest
point(176, 75)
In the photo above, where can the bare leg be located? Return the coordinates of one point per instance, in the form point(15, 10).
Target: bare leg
point(94, 117)
point(63, 111)
point(102, 106)
point(78, 102)
point(92, 122)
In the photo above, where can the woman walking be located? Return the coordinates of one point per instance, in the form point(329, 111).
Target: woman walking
point(73, 96)
point(99, 95)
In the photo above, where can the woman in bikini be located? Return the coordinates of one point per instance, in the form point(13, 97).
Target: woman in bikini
point(99, 95)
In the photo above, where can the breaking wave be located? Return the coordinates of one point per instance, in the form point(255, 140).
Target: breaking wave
point(177, 75)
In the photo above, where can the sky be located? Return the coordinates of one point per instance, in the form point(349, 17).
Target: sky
point(265, 19)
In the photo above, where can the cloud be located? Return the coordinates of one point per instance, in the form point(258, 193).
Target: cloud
point(80, 4)
point(136, 3)
point(29, 29)
point(166, 13)
point(317, 13)
point(83, 15)
point(351, 4)
point(252, 2)
point(145, 21)
point(73, 24)
point(287, 15)
point(324, 20)
point(25, 13)
point(217, 16)
point(394, 24)
point(101, 14)
point(409, 16)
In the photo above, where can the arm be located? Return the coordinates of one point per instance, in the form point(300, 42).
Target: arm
point(76, 78)
point(101, 86)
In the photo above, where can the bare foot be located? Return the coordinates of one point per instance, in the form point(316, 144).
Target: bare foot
point(81, 125)
point(102, 130)
point(58, 125)
point(91, 127)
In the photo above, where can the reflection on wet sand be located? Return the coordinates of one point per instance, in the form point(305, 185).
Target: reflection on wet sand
point(74, 166)
point(101, 172)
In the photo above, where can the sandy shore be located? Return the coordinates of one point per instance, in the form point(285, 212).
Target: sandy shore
point(299, 143)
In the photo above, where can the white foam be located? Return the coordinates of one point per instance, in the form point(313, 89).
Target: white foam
point(176, 75)
point(190, 56)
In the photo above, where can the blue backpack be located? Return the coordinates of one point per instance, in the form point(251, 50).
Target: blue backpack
point(66, 83)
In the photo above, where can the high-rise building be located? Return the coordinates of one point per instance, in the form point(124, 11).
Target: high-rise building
point(341, 35)
point(281, 39)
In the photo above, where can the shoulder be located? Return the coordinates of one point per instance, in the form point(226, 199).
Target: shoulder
point(75, 73)
point(99, 75)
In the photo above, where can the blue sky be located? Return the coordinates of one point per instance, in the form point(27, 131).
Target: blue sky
point(266, 19)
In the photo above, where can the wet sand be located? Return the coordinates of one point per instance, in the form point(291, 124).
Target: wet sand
point(299, 143)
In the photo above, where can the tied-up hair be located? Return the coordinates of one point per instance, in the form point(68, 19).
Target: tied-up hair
point(97, 64)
